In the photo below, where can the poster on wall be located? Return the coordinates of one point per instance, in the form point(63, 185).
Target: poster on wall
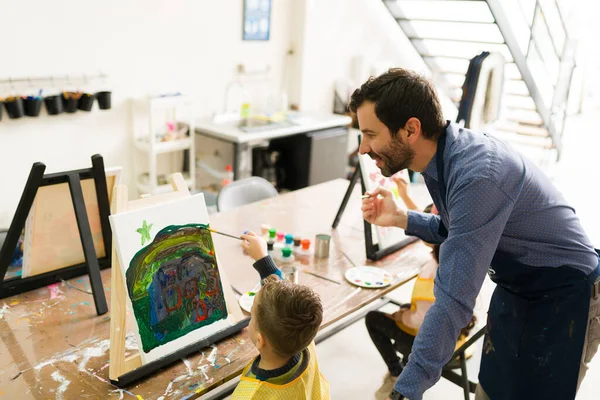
point(257, 20)
point(172, 276)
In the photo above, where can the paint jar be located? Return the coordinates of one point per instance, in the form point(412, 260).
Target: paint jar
point(270, 249)
point(289, 240)
point(284, 255)
point(272, 233)
point(264, 231)
point(297, 241)
point(279, 242)
point(322, 246)
point(304, 250)
point(290, 273)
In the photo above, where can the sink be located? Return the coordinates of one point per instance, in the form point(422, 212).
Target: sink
point(253, 125)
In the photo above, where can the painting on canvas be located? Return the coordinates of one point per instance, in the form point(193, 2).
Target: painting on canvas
point(172, 275)
point(371, 174)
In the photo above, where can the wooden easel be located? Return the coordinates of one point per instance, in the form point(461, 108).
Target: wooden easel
point(123, 371)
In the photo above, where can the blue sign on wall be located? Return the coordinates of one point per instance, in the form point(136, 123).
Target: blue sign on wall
point(257, 19)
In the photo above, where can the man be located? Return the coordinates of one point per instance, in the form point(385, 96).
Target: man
point(498, 214)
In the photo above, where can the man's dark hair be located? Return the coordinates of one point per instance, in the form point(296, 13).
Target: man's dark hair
point(399, 95)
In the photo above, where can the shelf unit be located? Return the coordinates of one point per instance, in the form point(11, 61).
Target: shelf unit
point(163, 126)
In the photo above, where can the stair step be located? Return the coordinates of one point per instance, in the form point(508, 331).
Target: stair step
point(473, 11)
point(535, 141)
point(528, 130)
point(453, 30)
point(524, 117)
point(516, 87)
point(519, 102)
point(466, 50)
point(447, 64)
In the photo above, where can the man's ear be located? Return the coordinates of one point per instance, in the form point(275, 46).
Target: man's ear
point(413, 128)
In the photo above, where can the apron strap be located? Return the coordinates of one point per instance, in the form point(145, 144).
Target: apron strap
point(441, 146)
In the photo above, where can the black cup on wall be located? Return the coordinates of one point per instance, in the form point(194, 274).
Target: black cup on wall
point(70, 101)
point(32, 105)
point(14, 107)
point(86, 101)
point(104, 100)
point(54, 104)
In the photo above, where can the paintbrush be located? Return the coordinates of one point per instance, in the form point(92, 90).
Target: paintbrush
point(322, 277)
point(224, 234)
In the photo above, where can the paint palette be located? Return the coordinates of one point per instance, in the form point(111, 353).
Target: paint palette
point(368, 277)
point(247, 299)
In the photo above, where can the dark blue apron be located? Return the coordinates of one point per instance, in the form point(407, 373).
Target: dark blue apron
point(536, 325)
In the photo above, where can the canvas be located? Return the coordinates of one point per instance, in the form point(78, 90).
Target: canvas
point(371, 175)
point(171, 275)
point(52, 238)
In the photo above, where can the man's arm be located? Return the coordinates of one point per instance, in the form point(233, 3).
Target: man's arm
point(479, 211)
point(424, 226)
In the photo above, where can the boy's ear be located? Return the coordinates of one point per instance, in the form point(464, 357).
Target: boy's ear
point(260, 341)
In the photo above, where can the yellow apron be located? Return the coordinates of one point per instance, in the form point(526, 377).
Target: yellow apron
point(310, 385)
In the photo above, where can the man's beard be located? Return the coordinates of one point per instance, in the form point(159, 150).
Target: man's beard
point(396, 157)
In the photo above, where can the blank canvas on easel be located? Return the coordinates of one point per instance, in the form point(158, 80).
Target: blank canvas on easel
point(171, 275)
point(52, 239)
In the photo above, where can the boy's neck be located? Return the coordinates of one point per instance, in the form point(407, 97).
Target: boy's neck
point(269, 361)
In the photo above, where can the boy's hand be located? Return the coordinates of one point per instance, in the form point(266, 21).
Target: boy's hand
point(402, 184)
point(255, 246)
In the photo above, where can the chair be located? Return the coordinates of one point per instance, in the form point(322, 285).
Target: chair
point(244, 191)
point(459, 360)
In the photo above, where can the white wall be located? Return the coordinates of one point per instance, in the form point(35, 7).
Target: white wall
point(145, 46)
point(338, 31)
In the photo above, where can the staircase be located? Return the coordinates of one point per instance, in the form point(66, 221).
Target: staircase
point(532, 37)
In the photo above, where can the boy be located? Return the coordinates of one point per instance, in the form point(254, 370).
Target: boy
point(284, 321)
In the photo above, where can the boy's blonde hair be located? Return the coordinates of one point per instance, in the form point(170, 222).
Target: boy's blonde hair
point(288, 316)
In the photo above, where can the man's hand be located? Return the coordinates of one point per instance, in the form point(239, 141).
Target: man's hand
point(255, 246)
point(383, 211)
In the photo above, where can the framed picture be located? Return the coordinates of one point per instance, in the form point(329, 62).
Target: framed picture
point(257, 20)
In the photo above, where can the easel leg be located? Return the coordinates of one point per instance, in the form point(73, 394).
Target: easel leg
point(103, 206)
point(353, 180)
point(18, 222)
point(88, 244)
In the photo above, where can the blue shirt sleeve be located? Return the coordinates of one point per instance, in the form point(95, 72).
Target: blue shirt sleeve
point(478, 211)
point(425, 226)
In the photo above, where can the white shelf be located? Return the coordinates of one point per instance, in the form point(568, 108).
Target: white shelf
point(164, 147)
point(146, 188)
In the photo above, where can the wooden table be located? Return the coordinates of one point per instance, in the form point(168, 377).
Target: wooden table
point(55, 346)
